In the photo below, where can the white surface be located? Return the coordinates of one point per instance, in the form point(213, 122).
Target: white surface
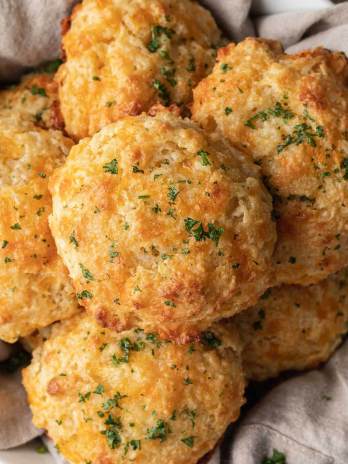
point(261, 7)
point(27, 454)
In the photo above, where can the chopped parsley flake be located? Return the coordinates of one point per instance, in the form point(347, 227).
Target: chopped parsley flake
point(35, 90)
point(51, 67)
point(344, 166)
point(84, 397)
point(113, 437)
point(188, 381)
point(113, 253)
point(173, 192)
point(277, 111)
point(191, 415)
point(169, 74)
point(228, 110)
point(16, 226)
point(72, 239)
point(159, 432)
point(126, 346)
point(86, 273)
point(111, 167)
point(156, 33)
point(85, 294)
point(195, 228)
point(170, 303)
point(276, 458)
point(209, 339)
point(302, 133)
point(99, 390)
point(136, 170)
point(7, 260)
point(188, 441)
point(134, 444)
point(162, 92)
point(204, 157)
point(225, 67)
point(156, 209)
point(96, 78)
point(42, 449)
point(292, 260)
point(113, 402)
point(4, 244)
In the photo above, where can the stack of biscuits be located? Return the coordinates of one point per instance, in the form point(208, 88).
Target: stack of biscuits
point(174, 224)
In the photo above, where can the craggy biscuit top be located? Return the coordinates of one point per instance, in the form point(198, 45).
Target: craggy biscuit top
point(35, 289)
point(293, 327)
point(130, 397)
point(34, 101)
point(162, 226)
point(290, 113)
point(123, 56)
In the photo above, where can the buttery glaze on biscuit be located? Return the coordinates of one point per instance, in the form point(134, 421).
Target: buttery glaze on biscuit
point(290, 113)
point(162, 226)
point(123, 56)
point(131, 397)
point(294, 327)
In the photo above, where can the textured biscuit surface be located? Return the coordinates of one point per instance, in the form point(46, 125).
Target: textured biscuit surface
point(294, 327)
point(125, 55)
point(33, 101)
point(290, 113)
point(161, 226)
point(35, 289)
point(106, 397)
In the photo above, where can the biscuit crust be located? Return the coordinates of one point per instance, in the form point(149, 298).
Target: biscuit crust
point(35, 289)
point(294, 327)
point(123, 56)
point(290, 113)
point(129, 397)
point(34, 101)
point(161, 226)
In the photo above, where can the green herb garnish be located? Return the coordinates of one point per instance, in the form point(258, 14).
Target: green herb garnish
point(111, 167)
point(35, 90)
point(277, 458)
point(188, 441)
point(159, 432)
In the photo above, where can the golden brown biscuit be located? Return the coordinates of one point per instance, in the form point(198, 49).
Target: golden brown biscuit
point(33, 101)
point(290, 113)
point(35, 289)
point(105, 397)
point(294, 327)
point(125, 55)
point(161, 226)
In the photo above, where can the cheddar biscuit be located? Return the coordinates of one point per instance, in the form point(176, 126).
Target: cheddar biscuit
point(290, 113)
point(123, 56)
point(161, 226)
point(294, 327)
point(34, 101)
point(105, 397)
point(35, 289)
